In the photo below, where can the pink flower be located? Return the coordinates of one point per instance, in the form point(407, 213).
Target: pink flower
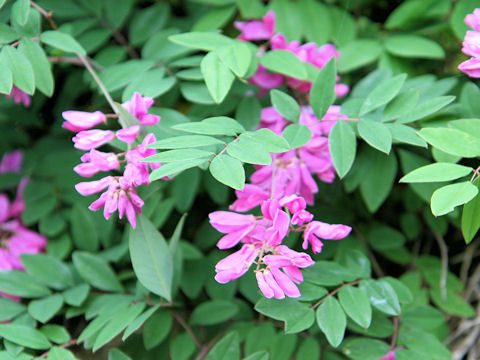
point(248, 198)
point(317, 229)
point(341, 90)
point(80, 120)
point(473, 20)
point(287, 257)
point(236, 264)
point(236, 226)
point(275, 234)
point(257, 30)
point(265, 80)
point(4, 208)
point(128, 135)
point(285, 283)
point(11, 162)
point(389, 356)
point(471, 43)
point(93, 187)
point(19, 96)
point(471, 67)
point(91, 139)
point(268, 285)
point(96, 161)
point(138, 107)
point(296, 205)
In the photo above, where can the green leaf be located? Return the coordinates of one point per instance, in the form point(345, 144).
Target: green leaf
point(214, 19)
point(227, 348)
point(21, 68)
point(96, 271)
point(55, 333)
point(356, 304)
point(82, 223)
point(248, 112)
point(48, 270)
point(259, 355)
point(322, 94)
point(401, 104)
point(151, 258)
point(218, 77)
point(328, 273)
point(135, 324)
point(182, 347)
point(219, 125)
point(62, 41)
point(196, 92)
point(41, 66)
point(148, 22)
point(423, 317)
point(296, 315)
point(332, 320)
point(115, 325)
point(237, 56)
point(376, 134)
point(58, 353)
point(228, 171)
point(9, 309)
point(286, 105)
point(403, 292)
point(20, 11)
point(413, 46)
point(271, 141)
point(24, 336)
point(75, 296)
point(157, 328)
point(470, 220)
point(424, 343)
point(358, 53)
point(44, 309)
point(201, 40)
point(437, 172)
point(342, 144)
point(213, 312)
point(319, 21)
point(461, 9)
point(21, 284)
point(383, 93)
point(150, 83)
point(382, 296)
point(119, 75)
point(297, 135)
point(364, 348)
point(173, 168)
point(452, 141)
point(178, 155)
point(187, 141)
point(454, 304)
point(426, 108)
point(309, 349)
point(6, 79)
point(284, 62)
point(247, 150)
point(384, 238)
point(405, 134)
point(446, 198)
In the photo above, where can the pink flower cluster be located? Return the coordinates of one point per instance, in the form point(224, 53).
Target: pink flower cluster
point(277, 266)
point(15, 238)
point(120, 194)
point(309, 53)
point(471, 45)
point(19, 96)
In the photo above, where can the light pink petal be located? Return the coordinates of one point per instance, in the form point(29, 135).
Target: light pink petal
point(128, 135)
point(285, 283)
point(264, 287)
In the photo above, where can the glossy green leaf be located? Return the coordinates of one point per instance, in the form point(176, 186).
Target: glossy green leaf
point(376, 134)
point(21, 68)
point(437, 172)
point(220, 125)
point(218, 77)
point(470, 220)
point(174, 168)
point(328, 273)
point(20, 11)
point(383, 93)
point(424, 343)
point(227, 348)
point(426, 108)
point(382, 296)
point(44, 309)
point(187, 141)
point(401, 104)
point(237, 57)
point(6, 79)
point(9, 309)
point(228, 171)
point(296, 315)
point(297, 135)
point(413, 46)
point(201, 40)
point(405, 134)
point(286, 105)
point(96, 271)
point(18, 283)
point(213, 312)
point(332, 320)
point(151, 259)
point(356, 304)
point(41, 66)
point(322, 94)
point(82, 223)
point(403, 292)
point(48, 270)
point(75, 296)
point(247, 150)
point(284, 62)
point(62, 41)
point(178, 155)
point(55, 333)
point(446, 198)
point(138, 322)
point(24, 336)
point(342, 144)
point(358, 53)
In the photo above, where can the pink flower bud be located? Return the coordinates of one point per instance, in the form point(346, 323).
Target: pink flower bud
point(91, 139)
point(19, 96)
point(138, 107)
point(471, 44)
point(473, 20)
point(128, 135)
point(93, 187)
point(80, 120)
point(86, 169)
point(471, 67)
point(257, 30)
point(11, 162)
point(226, 221)
point(104, 161)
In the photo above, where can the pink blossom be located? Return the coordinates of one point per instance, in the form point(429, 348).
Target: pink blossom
point(19, 96)
point(248, 198)
point(287, 257)
point(257, 30)
point(235, 265)
point(341, 90)
point(285, 283)
point(265, 80)
point(317, 229)
point(4, 207)
point(389, 356)
point(275, 234)
point(91, 139)
point(93, 187)
point(80, 120)
point(11, 162)
point(473, 20)
point(138, 107)
point(268, 285)
point(18, 205)
point(471, 67)
point(471, 43)
point(128, 135)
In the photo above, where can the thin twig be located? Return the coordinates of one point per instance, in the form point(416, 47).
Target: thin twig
point(118, 36)
point(46, 15)
point(395, 333)
point(72, 60)
point(334, 292)
point(376, 267)
point(444, 255)
point(187, 328)
point(66, 345)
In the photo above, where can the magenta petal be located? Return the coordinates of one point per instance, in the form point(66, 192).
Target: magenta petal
point(277, 290)
point(263, 286)
point(93, 187)
point(128, 135)
point(287, 285)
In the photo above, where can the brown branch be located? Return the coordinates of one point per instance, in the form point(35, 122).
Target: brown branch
point(46, 15)
point(72, 60)
point(395, 333)
point(334, 292)
point(66, 345)
point(187, 328)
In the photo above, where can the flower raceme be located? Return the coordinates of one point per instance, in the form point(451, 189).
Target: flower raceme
point(278, 267)
point(119, 193)
point(471, 46)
